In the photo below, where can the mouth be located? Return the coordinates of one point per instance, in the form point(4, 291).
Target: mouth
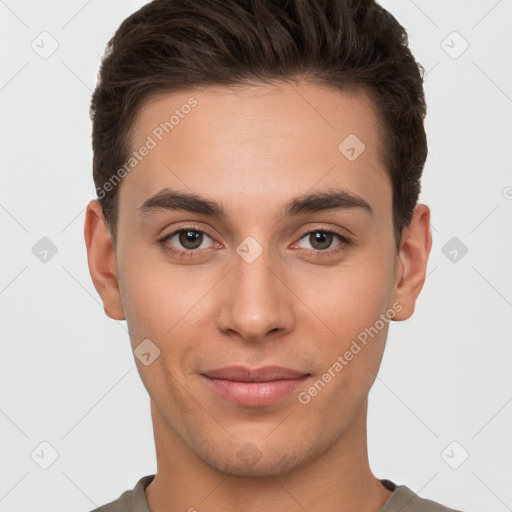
point(254, 388)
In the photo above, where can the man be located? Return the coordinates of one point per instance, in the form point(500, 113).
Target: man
point(258, 166)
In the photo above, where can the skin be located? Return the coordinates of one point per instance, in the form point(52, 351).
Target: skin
point(253, 149)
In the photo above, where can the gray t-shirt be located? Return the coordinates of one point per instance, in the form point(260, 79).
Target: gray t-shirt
point(401, 500)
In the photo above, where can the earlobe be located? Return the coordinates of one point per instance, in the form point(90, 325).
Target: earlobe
point(101, 260)
point(412, 261)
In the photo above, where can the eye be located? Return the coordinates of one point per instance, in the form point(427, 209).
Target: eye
point(192, 242)
point(322, 240)
point(186, 240)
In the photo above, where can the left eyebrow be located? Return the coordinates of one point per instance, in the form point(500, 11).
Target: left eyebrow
point(332, 199)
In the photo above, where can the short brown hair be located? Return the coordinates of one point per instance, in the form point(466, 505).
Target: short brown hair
point(171, 45)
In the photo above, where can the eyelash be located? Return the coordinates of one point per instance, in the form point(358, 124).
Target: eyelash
point(343, 239)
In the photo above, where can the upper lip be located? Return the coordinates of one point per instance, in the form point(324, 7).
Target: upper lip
point(265, 374)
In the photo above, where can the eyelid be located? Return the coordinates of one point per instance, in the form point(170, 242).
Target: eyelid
point(345, 235)
point(189, 226)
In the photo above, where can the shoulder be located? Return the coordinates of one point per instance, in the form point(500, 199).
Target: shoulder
point(404, 499)
point(132, 500)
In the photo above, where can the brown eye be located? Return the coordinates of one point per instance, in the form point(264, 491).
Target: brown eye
point(190, 239)
point(320, 240)
point(186, 240)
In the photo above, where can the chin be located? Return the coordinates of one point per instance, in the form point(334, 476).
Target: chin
point(262, 457)
point(269, 465)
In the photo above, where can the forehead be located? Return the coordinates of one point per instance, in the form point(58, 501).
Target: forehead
point(261, 141)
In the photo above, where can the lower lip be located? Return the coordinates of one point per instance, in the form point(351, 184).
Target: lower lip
point(254, 394)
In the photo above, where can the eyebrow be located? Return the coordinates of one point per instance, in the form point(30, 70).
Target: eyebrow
point(332, 199)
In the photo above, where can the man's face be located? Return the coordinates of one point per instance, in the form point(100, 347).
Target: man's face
point(257, 287)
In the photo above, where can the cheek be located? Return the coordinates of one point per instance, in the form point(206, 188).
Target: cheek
point(351, 297)
point(351, 302)
point(156, 297)
point(160, 305)
point(170, 306)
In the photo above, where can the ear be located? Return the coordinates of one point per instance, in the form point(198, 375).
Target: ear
point(412, 261)
point(102, 260)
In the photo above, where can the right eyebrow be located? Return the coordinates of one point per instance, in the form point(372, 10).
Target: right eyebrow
point(168, 199)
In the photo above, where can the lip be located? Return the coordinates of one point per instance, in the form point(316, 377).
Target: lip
point(254, 388)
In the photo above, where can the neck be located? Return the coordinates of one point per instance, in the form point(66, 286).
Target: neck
point(339, 480)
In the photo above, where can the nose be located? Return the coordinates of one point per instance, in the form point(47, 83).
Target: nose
point(255, 300)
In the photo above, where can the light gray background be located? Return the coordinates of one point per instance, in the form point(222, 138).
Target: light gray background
point(68, 377)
